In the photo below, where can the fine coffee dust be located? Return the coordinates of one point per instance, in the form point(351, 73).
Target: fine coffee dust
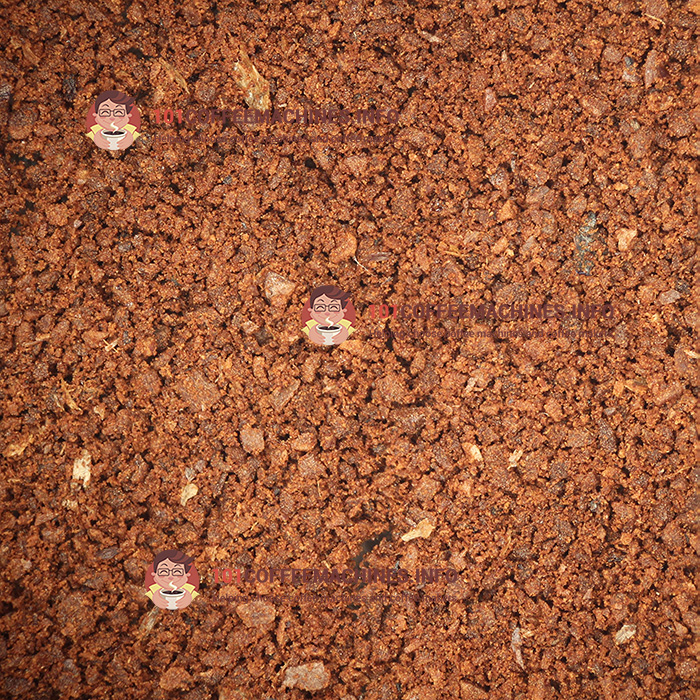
point(157, 390)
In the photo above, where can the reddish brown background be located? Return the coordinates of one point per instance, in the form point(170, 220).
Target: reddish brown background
point(141, 323)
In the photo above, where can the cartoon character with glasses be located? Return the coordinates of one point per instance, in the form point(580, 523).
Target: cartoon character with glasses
point(328, 316)
point(175, 578)
point(114, 121)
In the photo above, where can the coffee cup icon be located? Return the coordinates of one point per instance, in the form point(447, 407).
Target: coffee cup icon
point(328, 333)
point(172, 597)
point(113, 138)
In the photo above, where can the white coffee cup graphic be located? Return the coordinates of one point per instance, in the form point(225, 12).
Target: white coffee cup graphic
point(328, 333)
point(172, 597)
point(114, 137)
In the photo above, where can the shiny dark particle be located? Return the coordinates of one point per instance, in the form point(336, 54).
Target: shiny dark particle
point(583, 240)
point(108, 553)
point(69, 88)
point(682, 287)
point(5, 93)
point(368, 545)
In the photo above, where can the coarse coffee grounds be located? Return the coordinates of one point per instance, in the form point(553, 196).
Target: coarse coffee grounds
point(157, 391)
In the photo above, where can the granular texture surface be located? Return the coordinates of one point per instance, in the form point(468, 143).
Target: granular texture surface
point(158, 393)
